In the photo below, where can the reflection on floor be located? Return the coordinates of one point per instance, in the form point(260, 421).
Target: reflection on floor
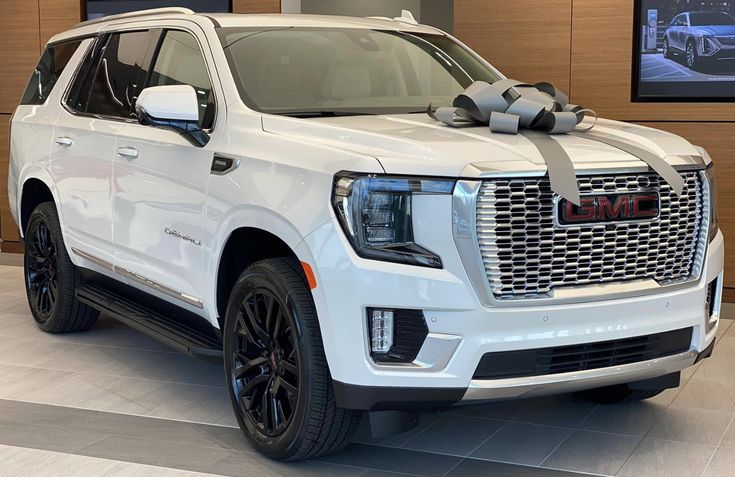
point(114, 402)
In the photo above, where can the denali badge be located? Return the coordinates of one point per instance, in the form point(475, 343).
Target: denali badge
point(609, 208)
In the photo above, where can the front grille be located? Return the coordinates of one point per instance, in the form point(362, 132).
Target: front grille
point(527, 256)
point(568, 359)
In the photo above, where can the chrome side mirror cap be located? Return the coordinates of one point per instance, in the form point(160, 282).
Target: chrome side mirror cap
point(174, 107)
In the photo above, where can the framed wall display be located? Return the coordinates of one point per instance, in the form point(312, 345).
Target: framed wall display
point(100, 8)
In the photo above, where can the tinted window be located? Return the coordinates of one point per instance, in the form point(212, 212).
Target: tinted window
point(710, 18)
point(50, 66)
point(110, 79)
point(180, 61)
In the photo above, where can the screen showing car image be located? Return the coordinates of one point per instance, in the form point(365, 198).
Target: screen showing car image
point(685, 50)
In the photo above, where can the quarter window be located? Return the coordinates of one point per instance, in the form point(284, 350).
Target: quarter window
point(47, 72)
point(180, 61)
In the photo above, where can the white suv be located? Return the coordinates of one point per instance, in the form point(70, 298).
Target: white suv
point(271, 190)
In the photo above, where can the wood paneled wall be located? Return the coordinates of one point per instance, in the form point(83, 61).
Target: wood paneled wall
point(586, 46)
point(25, 27)
point(256, 6)
point(526, 39)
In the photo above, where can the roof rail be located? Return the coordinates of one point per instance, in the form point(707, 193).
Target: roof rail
point(138, 13)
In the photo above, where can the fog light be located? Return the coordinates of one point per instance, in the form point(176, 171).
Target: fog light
point(381, 331)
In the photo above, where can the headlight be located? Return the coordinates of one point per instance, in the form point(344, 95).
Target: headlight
point(710, 174)
point(375, 214)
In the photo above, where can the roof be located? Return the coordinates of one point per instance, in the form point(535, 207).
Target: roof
point(245, 20)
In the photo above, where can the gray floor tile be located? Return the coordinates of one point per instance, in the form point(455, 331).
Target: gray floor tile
point(47, 438)
point(481, 468)
point(503, 410)
point(393, 460)
point(380, 473)
point(363, 435)
point(520, 443)
point(722, 463)
point(593, 452)
point(633, 418)
point(692, 425)
point(456, 435)
point(241, 464)
point(164, 454)
point(665, 458)
point(707, 394)
point(563, 411)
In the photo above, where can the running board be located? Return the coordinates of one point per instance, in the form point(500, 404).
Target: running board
point(165, 329)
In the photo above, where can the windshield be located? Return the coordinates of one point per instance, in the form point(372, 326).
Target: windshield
point(710, 18)
point(322, 72)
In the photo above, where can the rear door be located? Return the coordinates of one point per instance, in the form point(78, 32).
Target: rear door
point(96, 108)
point(161, 179)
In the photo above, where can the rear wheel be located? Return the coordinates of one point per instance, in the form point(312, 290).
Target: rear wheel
point(50, 276)
point(277, 374)
point(620, 393)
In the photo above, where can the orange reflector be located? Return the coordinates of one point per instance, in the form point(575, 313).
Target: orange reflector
point(310, 278)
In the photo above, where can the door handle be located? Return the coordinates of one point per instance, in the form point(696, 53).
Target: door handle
point(64, 141)
point(129, 152)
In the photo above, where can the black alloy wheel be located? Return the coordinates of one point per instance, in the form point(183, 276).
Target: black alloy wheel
point(51, 278)
point(277, 373)
point(691, 55)
point(265, 376)
point(41, 271)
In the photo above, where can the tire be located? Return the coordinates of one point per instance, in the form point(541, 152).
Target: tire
point(668, 54)
point(691, 57)
point(51, 278)
point(620, 393)
point(277, 374)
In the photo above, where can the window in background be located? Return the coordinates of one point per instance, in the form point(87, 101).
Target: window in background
point(101, 8)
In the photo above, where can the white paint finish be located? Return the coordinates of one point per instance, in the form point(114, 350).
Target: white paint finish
point(178, 102)
point(283, 186)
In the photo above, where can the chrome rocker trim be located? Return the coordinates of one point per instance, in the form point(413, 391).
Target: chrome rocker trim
point(193, 301)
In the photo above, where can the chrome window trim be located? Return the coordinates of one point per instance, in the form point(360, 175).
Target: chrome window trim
point(193, 301)
point(464, 231)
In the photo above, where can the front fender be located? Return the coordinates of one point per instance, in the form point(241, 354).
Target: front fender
point(38, 172)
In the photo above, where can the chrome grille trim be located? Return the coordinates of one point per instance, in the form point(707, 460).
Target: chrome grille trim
point(526, 258)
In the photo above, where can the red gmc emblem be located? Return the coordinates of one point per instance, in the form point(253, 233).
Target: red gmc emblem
point(609, 208)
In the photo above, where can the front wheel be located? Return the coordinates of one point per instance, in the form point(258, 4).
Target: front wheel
point(692, 57)
point(667, 49)
point(277, 373)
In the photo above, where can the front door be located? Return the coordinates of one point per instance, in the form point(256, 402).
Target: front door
point(160, 184)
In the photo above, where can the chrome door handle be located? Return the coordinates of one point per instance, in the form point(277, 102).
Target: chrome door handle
point(129, 152)
point(64, 141)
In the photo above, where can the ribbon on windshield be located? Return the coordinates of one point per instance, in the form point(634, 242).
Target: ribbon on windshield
point(537, 112)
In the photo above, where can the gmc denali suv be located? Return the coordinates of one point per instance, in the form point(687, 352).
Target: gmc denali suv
point(270, 190)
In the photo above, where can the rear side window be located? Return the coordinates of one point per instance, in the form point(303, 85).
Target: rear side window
point(50, 66)
point(110, 80)
point(181, 61)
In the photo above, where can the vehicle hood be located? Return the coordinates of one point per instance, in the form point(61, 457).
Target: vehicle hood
point(416, 144)
point(718, 30)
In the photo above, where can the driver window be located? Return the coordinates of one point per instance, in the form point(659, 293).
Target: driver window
point(180, 61)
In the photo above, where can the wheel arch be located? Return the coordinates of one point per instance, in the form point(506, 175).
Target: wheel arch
point(33, 191)
point(243, 247)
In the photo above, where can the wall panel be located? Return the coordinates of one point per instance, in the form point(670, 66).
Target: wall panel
point(19, 49)
point(602, 53)
point(528, 40)
point(256, 6)
point(57, 16)
point(9, 230)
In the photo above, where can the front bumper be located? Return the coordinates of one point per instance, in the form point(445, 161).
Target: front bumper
point(462, 329)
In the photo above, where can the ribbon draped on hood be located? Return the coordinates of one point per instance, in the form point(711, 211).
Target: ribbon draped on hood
point(538, 112)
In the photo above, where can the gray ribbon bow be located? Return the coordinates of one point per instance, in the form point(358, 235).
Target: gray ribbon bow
point(508, 106)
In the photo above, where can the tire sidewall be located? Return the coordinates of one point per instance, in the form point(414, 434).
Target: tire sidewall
point(255, 277)
point(46, 214)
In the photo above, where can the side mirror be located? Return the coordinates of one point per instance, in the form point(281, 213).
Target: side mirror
point(173, 107)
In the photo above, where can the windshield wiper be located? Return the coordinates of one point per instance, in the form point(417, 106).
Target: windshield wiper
point(324, 113)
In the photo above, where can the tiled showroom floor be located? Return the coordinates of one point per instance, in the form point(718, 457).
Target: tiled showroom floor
point(114, 402)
